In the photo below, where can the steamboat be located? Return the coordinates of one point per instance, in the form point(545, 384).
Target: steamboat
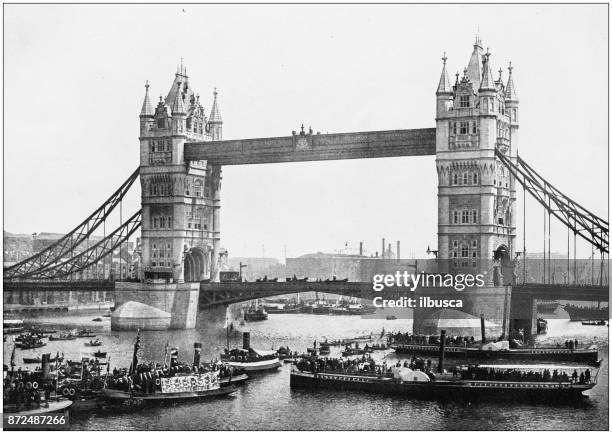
point(544, 383)
point(465, 383)
point(249, 359)
point(147, 383)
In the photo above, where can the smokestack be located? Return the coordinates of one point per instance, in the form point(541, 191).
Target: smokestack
point(441, 356)
point(360, 248)
point(46, 362)
point(197, 350)
point(173, 357)
point(389, 251)
point(482, 328)
point(398, 250)
point(382, 252)
point(246, 340)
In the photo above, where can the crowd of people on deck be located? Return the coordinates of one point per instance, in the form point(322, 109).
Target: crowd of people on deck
point(367, 366)
point(240, 355)
point(492, 374)
point(147, 377)
point(364, 365)
point(411, 339)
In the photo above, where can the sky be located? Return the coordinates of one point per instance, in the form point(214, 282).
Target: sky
point(74, 80)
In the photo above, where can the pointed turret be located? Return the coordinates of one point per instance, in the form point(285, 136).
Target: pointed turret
point(147, 108)
point(444, 86)
point(215, 123)
point(510, 88)
point(474, 71)
point(215, 113)
point(178, 105)
point(487, 82)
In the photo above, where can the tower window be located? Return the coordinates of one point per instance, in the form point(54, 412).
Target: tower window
point(474, 244)
point(455, 218)
point(475, 178)
point(463, 127)
point(464, 101)
point(464, 251)
point(465, 178)
point(454, 127)
point(161, 123)
point(474, 216)
point(464, 217)
point(455, 180)
point(474, 128)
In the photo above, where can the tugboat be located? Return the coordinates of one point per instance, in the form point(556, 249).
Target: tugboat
point(28, 393)
point(249, 359)
point(255, 313)
point(154, 383)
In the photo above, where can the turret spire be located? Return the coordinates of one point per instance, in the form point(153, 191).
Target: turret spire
point(444, 86)
point(147, 108)
point(474, 71)
point(510, 88)
point(487, 76)
point(178, 105)
point(215, 113)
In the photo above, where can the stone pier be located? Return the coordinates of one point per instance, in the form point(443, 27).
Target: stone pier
point(491, 301)
point(180, 300)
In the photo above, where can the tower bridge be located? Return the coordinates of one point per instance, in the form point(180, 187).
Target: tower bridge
point(475, 143)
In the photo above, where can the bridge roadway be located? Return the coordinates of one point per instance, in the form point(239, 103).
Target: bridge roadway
point(315, 147)
point(213, 294)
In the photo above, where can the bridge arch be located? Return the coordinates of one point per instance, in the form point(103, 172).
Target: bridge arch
point(195, 265)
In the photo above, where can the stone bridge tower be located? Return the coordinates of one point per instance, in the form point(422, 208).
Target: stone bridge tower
point(476, 194)
point(180, 200)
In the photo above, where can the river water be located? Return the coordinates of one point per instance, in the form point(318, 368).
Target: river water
point(266, 401)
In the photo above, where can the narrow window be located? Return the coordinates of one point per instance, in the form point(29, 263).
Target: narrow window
point(465, 178)
point(474, 216)
point(455, 179)
point(464, 217)
point(455, 217)
point(475, 178)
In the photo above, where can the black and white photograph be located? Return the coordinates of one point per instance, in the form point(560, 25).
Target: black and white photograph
point(305, 217)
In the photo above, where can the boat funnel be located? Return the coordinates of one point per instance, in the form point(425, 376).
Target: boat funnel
point(197, 350)
point(441, 356)
point(246, 340)
point(46, 362)
point(482, 329)
point(173, 357)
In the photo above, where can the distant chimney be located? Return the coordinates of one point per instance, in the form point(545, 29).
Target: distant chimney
point(398, 250)
point(389, 251)
point(360, 248)
point(382, 252)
